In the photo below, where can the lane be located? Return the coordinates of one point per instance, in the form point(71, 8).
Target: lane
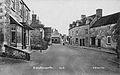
point(75, 62)
point(63, 60)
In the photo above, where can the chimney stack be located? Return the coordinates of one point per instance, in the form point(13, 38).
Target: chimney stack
point(34, 18)
point(83, 16)
point(37, 21)
point(99, 13)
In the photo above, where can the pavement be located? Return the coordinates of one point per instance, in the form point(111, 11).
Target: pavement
point(110, 51)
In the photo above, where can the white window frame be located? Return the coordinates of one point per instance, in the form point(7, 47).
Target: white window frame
point(108, 40)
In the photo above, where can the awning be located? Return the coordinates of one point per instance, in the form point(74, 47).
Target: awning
point(26, 26)
point(14, 21)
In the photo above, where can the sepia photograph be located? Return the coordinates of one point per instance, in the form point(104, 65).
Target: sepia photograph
point(59, 37)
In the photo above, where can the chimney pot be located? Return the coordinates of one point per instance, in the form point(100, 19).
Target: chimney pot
point(34, 17)
point(99, 12)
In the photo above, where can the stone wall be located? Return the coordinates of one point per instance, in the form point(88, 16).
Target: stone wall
point(102, 33)
point(80, 33)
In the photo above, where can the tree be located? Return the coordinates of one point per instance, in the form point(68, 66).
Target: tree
point(116, 36)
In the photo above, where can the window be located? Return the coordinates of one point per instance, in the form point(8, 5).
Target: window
point(55, 39)
point(76, 40)
point(0, 4)
point(77, 32)
point(72, 33)
point(13, 37)
point(1, 10)
point(108, 39)
point(1, 17)
point(86, 31)
point(13, 33)
point(20, 8)
point(19, 34)
point(27, 37)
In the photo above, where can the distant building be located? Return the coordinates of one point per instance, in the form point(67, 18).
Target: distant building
point(56, 37)
point(79, 31)
point(47, 34)
point(37, 35)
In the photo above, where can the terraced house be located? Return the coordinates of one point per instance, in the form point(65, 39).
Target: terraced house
point(101, 31)
point(14, 28)
point(79, 31)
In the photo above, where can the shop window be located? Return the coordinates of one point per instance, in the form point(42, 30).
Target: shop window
point(108, 39)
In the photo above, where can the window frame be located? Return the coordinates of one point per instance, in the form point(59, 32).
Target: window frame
point(108, 39)
point(13, 30)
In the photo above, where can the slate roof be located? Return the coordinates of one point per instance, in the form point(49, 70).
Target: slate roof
point(35, 25)
point(105, 20)
point(26, 25)
point(93, 16)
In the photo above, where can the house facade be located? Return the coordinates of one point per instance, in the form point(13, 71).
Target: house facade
point(79, 31)
point(100, 31)
point(14, 25)
point(56, 37)
point(47, 34)
point(37, 35)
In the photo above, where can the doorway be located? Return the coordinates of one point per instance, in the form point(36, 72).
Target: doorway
point(92, 40)
point(99, 42)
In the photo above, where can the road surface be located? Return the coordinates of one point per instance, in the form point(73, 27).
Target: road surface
point(62, 60)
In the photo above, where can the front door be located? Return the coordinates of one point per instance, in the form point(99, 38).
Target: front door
point(83, 42)
point(92, 40)
point(80, 42)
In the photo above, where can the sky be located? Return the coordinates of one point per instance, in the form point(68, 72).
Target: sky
point(60, 13)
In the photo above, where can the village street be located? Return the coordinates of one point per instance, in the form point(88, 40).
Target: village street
point(62, 60)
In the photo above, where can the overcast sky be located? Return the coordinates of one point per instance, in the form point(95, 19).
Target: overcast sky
point(60, 13)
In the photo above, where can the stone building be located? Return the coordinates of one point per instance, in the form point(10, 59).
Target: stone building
point(79, 31)
point(37, 35)
point(100, 31)
point(56, 37)
point(14, 24)
point(47, 34)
